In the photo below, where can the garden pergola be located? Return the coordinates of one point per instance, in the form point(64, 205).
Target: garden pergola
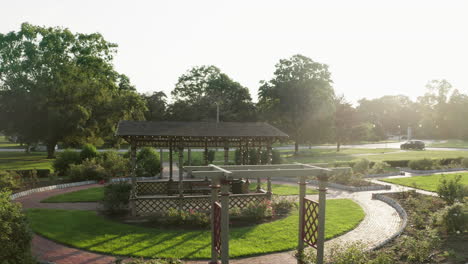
point(187, 135)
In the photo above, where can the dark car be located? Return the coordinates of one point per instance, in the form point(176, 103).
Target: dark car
point(413, 144)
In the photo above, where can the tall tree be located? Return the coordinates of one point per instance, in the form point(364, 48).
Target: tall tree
point(64, 86)
point(157, 106)
point(298, 97)
point(199, 91)
point(344, 121)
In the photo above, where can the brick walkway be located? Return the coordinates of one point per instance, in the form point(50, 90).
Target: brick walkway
point(380, 222)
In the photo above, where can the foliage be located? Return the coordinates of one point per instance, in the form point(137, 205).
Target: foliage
point(210, 156)
point(298, 98)
point(345, 120)
point(177, 218)
point(57, 86)
point(418, 247)
point(64, 160)
point(422, 164)
point(88, 170)
point(379, 167)
point(147, 162)
point(9, 180)
point(114, 164)
point(452, 190)
point(116, 198)
point(157, 106)
point(88, 152)
point(454, 218)
point(282, 206)
point(15, 235)
point(199, 91)
point(361, 166)
point(258, 211)
point(464, 163)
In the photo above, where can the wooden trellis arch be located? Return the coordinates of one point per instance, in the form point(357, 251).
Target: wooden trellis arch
point(311, 222)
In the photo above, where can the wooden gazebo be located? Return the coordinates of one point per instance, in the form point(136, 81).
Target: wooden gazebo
point(182, 136)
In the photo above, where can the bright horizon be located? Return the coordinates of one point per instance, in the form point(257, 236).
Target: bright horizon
point(372, 49)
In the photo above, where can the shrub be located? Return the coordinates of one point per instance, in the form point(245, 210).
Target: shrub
point(422, 164)
point(464, 163)
point(15, 235)
point(174, 217)
point(379, 167)
point(256, 211)
point(89, 170)
point(210, 156)
point(454, 218)
point(397, 163)
point(148, 164)
point(451, 190)
point(418, 248)
point(64, 160)
point(361, 166)
point(88, 152)
point(116, 198)
point(9, 180)
point(282, 206)
point(114, 164)
point(253, 157)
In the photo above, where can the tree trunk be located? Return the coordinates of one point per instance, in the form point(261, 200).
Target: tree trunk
point(28, 148)
point(51, 150)
point(296, 148)
point(338, 144)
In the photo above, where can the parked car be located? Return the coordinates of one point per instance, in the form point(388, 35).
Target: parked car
point(413, 144)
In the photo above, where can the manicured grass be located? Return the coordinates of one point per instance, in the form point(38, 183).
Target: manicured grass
point(282, 189)
point(97, 193)
point(330, 156)
point(450, 143)
point(4, 143)
point(23, 161)
point(87, 195)
point(428, 183)
point(87, 230)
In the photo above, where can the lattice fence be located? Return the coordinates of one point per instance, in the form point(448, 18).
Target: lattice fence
point(217, 227)
point(152, 187)
point(149, 205)
point(310, 216)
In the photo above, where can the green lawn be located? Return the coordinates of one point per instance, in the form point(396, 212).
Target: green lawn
point(429, 182)
point(330, 156)
point(4, 143)
point(97, 193)
point(87, 195)
point(87, 230)
point(450, 143)
point(23, 161)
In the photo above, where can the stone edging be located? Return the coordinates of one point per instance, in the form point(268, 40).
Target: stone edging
point(382, 175)
point(374, 187)
point(68, 185)
point(51, 187)
point(433, 171)
point(382, 197)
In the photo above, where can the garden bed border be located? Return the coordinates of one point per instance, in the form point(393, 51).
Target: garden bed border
point(433, 171)
point(374, 187)
point(401, 211)
point(397, 173)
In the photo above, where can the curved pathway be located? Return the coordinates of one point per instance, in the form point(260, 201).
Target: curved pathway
point(380, 222)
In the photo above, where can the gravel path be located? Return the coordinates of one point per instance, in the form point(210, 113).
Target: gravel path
point(380, 222)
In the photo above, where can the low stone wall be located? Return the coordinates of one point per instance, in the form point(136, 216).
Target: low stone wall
point(433, 171)
point(401, 211)
point(48, 188)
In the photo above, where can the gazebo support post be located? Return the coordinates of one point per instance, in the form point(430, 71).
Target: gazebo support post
point(214, 198)
point(181, 170)
point(170, 161)
point(302, 193)
point(133, 150)
point(189, 156)
point(205, 154)
point(224, 221)
point(226, 155)
point(161, 159)
point(321, 217)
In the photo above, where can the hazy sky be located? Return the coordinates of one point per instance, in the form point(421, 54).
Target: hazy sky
point(373, 48)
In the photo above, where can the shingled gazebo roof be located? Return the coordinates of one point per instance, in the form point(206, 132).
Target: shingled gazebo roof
point(198, 133)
